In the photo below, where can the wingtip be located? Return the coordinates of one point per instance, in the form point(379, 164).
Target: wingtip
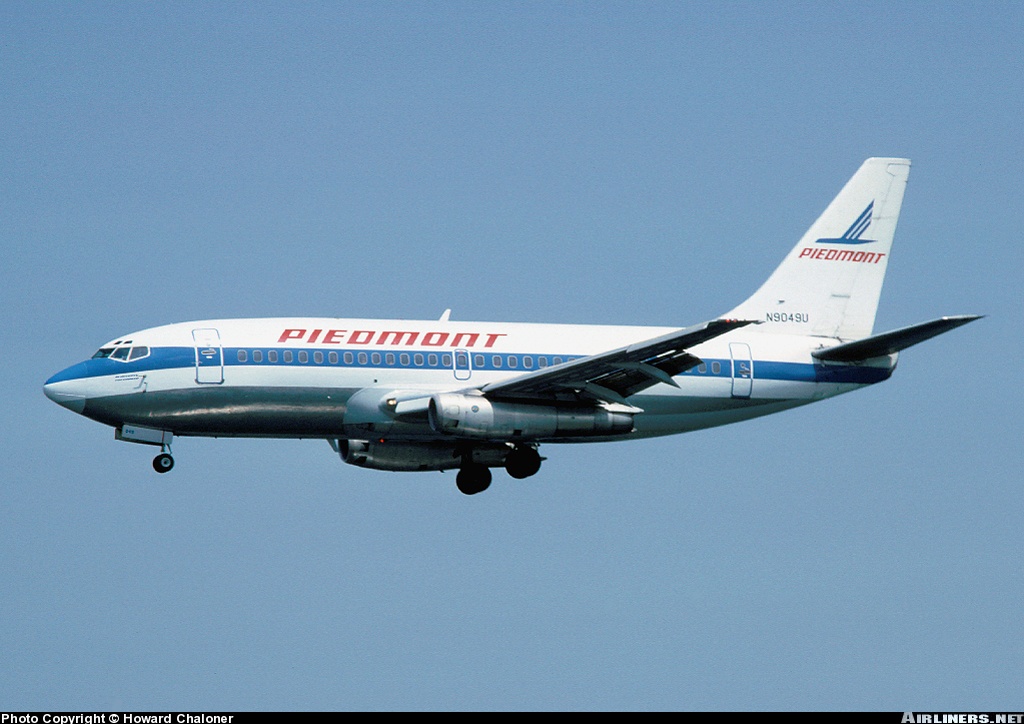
point(964, 318)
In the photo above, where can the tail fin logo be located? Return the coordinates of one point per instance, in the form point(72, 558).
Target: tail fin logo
point(856, 230)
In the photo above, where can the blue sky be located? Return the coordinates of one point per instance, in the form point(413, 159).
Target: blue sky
point(621, 163)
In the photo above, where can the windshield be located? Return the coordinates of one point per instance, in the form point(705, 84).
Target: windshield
point(122, 352)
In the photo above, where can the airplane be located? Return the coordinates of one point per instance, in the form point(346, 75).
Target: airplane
point(403, 395)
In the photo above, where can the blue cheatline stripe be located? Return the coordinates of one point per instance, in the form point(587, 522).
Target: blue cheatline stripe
point(362, 358)
point(184, 357)
point(160, 358)
point(801, 372)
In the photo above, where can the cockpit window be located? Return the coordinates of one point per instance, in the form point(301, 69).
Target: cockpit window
point(123, 352)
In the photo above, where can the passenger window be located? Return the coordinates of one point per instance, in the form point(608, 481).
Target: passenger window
point(389, 359)
point(138, 353)
point(303, 356)
point(272, 355)
point(318, 357)
point(418, 360)
point(333, 357)
point(558, 360)
point(446, 360)
point(496, 361)
point(715, 368)
point(288, 356)
point(243, 356)
point(432, 360)
point(375, 358)
point(362, 358)
point(702, 368)
point(478, 360)
point(542, 362)
point(257, 355)
point(349, 358)
point(404, 359)
point(513, 361)
point(528, 362)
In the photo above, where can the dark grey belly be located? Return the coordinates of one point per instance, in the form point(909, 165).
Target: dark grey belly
point(229, 411)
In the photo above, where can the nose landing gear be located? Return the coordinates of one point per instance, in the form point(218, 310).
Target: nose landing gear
point(163, 463)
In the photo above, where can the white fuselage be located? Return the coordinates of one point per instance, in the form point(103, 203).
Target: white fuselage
point(329, 378)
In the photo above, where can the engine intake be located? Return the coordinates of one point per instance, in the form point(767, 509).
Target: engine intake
point(476, 417)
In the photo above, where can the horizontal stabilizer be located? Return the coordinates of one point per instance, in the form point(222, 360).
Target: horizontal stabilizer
point(890, 342)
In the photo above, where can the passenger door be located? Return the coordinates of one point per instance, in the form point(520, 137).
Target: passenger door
point(209, 357)
point(742, 369)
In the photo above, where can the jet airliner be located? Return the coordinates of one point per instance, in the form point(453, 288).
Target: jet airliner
point(403, 395)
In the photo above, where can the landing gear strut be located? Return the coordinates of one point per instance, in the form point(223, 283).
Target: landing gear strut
point(473, 478)
point(523, 462)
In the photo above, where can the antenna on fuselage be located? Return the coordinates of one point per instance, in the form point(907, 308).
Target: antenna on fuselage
point(444, 317)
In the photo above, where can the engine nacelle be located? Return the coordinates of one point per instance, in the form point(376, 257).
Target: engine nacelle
point(410, 456)
point(476, 417)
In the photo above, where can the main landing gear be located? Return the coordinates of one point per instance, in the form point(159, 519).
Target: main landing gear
point(520, 463)
point(473, 478)
point(523, 462)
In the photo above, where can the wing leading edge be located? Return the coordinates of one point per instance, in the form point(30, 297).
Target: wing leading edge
point(615, 375)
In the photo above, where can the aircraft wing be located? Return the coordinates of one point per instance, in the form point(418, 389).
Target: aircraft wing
point(615, 375)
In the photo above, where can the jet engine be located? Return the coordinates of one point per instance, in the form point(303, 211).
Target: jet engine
point(382, 454)
point(472, 416)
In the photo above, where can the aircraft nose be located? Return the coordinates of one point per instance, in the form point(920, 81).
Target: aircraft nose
point(65, 392)
point(64, 398)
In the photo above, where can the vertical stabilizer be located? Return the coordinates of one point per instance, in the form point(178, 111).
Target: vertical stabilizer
point(830, 283)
